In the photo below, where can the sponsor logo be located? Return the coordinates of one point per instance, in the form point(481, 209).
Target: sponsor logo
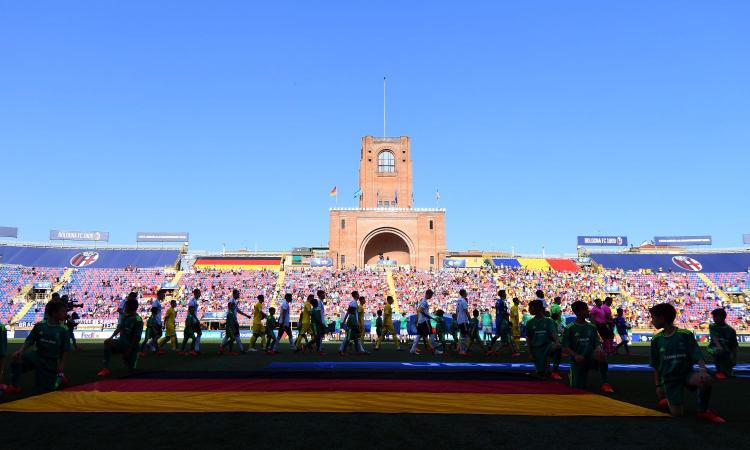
point(84, 259)
point(687, 263)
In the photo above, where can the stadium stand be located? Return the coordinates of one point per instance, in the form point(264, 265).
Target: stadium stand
point(338, 285)
point(731, 282)
point(480, 284)
point(100, 289)
point(216, 288)
point(13, 280)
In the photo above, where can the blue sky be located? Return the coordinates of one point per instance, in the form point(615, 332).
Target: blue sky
point(537, 121)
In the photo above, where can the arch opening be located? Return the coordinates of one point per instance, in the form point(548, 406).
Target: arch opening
point(387, 246)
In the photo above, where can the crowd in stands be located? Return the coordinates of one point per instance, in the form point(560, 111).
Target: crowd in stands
point(338, 285)
point(101, 290)
point(216, 289)
point(13, 279)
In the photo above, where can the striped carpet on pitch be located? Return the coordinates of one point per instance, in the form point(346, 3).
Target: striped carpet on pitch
point(169, 392)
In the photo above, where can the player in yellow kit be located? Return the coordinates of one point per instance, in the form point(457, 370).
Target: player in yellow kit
point(515, 322)
point(305, 327)
point(388, 325)
point(361, 317)
point(170, 334)
point(258, 330)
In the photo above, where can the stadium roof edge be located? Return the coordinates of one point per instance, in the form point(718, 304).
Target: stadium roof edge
point(93, 244)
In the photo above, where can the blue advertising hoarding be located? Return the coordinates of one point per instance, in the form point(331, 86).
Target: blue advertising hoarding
point(679, 241)
point(603, 241)
point(162, 236)
point(9, 232)
point(72, 235)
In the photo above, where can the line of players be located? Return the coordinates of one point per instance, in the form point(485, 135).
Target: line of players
point(674, 351)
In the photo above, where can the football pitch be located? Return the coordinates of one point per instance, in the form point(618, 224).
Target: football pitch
point(387, 399)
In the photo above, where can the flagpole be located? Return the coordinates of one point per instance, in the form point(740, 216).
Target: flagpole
point(384, 135)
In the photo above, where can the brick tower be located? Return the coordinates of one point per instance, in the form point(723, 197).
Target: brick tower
point(386, 229)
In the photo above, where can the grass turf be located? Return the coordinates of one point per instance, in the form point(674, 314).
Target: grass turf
point(372, 430)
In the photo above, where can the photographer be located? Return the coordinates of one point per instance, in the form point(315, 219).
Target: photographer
point(71, 317)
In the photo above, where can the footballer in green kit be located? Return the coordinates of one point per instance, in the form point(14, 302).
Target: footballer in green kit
point(440, 329)
point(674, 351)
point(581, 339)
point(3, 352)
point(129, 330)
point(542, 339)
point(723, 345)
point(51, 342)
point(153, 333)
point(231, 330)
point(192, 326)
point(271, 325)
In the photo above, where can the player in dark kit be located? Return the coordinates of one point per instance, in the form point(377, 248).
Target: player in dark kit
point(271, 325)
point(673, 353)
point(153, 333)
point(542, 340)
point(581, 339)
point(192, 328)
point(51, 342)
point(129, 330)
point(503, 331)
point(723, 344)
point(231, 331)
point(3, 352)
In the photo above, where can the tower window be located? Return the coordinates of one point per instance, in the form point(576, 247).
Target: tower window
point(343, 259)
point(432, 225)
point(343, 224)
point(386, 162)
point(432, 260)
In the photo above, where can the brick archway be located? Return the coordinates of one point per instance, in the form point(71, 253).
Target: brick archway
point(391, 242)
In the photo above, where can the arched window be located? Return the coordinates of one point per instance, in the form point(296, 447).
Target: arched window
point(386, 162)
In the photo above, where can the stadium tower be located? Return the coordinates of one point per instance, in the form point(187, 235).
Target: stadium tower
point(386, 229)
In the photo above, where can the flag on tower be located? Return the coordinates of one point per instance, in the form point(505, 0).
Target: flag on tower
point(358, 193)
point(333, 192)
point(437, 195)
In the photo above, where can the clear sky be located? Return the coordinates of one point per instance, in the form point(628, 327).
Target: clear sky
point(536, 120)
